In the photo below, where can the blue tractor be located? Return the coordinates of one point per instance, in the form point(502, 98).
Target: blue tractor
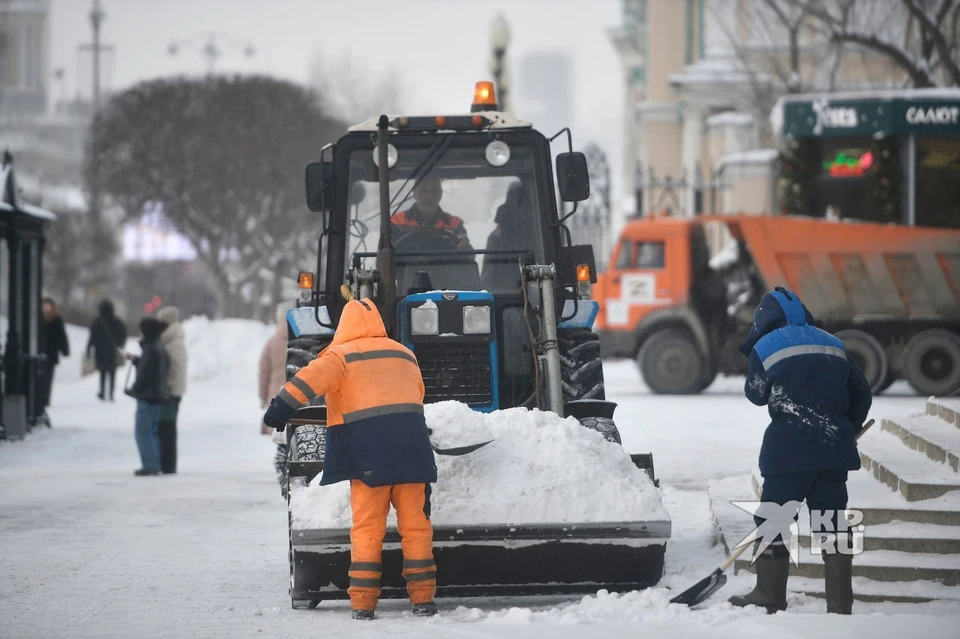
point(451, 224)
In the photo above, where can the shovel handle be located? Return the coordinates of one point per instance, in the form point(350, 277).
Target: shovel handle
point(742, 549)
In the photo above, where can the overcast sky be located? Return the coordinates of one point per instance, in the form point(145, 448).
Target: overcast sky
point(439, 47)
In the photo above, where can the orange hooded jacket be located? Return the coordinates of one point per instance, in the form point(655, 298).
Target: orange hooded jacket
point(376, 431)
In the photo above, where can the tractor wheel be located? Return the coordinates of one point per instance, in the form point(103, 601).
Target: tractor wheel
point(931, 362)
point(867, 353)
point(303, 350)
point(604, 426)
point(671, 363)
point(309, 443)
point(581, 368)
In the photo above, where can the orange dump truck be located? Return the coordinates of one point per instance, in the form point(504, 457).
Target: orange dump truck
point(891, 293)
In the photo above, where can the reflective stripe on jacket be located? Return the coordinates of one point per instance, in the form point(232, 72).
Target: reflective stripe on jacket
point(376, 431)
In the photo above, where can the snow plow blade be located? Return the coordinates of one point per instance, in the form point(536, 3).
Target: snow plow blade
point(490, 560)
point(495, 560)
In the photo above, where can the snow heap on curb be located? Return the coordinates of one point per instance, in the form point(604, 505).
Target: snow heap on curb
point(540, 469)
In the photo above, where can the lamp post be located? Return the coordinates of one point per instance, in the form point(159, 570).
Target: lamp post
point(212, 46)
point(499, 41)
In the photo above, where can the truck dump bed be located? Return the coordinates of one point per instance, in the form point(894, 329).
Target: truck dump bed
point(852, 271)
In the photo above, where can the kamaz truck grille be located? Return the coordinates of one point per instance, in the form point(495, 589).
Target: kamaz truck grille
point(458, 372)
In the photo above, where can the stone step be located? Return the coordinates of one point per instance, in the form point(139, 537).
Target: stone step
point(870, 590)
point(881, 565)
point(946, 409)
point(899, 536)
point(881, 505)
point(915, 476)
point(929, 435)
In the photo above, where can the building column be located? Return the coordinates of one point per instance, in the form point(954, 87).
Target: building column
point(691, 153)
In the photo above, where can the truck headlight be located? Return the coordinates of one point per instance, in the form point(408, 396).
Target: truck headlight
point(425, 320)
point(476, 320)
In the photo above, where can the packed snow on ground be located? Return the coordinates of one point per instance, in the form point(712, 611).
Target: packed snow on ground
point(88, 550)
point(540, 468)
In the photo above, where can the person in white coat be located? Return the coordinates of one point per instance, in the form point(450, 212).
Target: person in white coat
point(175, 345)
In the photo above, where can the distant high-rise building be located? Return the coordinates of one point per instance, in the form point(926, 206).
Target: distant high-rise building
point(24, 56)
point(544, 91)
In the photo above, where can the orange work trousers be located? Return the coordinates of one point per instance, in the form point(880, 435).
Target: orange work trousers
point(370, 508)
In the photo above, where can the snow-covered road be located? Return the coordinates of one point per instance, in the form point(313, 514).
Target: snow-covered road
point(88, 550)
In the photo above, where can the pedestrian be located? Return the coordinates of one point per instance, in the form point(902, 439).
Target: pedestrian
point(273, 375)
point(175, 345)
point(150, 389)
point(378, 440)
point(108, 336)
point(55, 344)
point(818, 401)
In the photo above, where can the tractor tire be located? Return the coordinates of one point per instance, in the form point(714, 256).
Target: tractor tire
point(869, 356)
point(671, 363)
point(309, 443)
point(581, 369)
point(604, 426)
point(303, 350)
point(931, 362)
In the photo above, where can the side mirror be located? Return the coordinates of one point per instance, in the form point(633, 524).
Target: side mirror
point(321, 186)
point(573, 178)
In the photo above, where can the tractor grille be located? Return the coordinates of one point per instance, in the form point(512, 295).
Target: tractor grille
point(458, 372)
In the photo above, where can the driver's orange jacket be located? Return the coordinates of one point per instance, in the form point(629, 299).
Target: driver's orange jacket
point(409, 220)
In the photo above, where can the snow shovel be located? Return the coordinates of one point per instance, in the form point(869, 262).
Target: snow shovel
point(460, 450)
point(702, 590)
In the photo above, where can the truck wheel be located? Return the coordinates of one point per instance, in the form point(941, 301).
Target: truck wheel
point(581, 369)
point(604, 426)
point(931, 362)
point(887, 382)
point(671, 363)
point(869, 356)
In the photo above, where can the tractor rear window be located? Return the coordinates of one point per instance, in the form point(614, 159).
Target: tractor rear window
point(454, 216)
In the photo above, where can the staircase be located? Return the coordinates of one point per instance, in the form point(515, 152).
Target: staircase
point(909, 492)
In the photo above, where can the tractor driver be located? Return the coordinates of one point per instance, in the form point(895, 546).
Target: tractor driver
point(426, 214)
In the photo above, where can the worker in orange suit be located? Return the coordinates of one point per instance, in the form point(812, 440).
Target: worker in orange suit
point(377, 439)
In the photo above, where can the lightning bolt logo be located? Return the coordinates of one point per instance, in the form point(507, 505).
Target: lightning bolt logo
point(777, 520)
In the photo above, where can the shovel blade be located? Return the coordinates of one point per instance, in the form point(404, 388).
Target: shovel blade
point(701, 590)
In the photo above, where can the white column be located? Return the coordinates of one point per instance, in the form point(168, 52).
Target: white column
point(692, 146)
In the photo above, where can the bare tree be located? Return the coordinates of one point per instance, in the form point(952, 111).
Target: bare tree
point(221, 160)
point(921, 37)
point(350, 91)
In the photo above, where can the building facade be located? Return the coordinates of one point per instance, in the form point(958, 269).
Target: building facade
point(24, 56)
point(700, 88)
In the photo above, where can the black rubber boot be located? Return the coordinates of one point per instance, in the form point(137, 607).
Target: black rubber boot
point(838, 583)
point(428, 609)
point(363, 615)
point(771, 589)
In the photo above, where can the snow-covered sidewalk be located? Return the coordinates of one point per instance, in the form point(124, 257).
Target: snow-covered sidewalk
point(88, 550)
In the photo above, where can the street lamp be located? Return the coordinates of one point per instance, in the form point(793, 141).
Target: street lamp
point(499, 41)
point(211, 46)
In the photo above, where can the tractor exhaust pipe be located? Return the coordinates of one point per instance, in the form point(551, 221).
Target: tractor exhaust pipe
point(545, 275)
point(386, 254)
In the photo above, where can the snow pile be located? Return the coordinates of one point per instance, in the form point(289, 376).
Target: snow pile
point(224, 347)
point(540, 468)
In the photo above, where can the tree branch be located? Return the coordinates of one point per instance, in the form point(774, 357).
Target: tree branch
point(931, 31)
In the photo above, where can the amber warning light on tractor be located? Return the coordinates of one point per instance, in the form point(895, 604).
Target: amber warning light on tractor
point(583, 279)
point(306, 280)
point(484, 97)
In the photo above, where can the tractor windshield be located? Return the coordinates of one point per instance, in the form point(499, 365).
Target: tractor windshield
point(457, 221)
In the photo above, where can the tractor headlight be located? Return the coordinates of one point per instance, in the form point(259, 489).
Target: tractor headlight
point(476, 320)
point(425, 320)
point(497, 153)
point(392, 156)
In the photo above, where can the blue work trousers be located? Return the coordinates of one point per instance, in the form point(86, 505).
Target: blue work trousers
point(148, 435)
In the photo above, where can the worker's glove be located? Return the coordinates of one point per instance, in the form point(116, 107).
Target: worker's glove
point(277, 415)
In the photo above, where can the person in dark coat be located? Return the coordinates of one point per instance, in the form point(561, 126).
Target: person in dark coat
point(55, 344)
point(151, 390)
point(516, 230)
point(107, 338)
point(818, 401)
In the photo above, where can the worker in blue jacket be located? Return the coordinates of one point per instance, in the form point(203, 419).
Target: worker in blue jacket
point(818, 401)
